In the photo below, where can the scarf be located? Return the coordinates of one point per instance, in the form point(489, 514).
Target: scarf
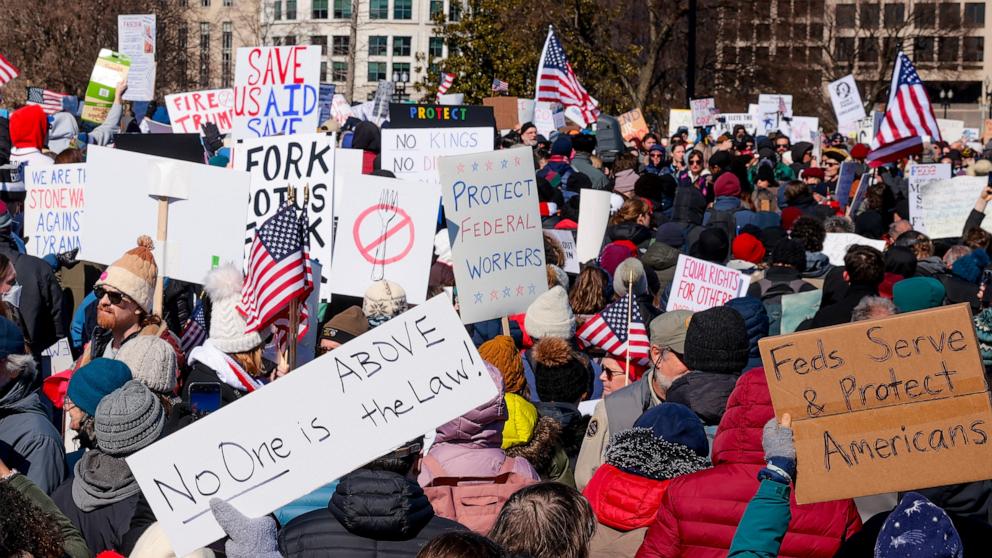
point(101, 480)
point(227, 369)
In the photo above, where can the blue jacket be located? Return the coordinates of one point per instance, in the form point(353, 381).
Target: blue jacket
point(764, 523)
point(756, 321)
point(316, 500)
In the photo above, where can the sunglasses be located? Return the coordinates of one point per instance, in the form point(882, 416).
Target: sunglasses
point(115, 297)
point(695, 162)
point(782, 146)
point(830, 163)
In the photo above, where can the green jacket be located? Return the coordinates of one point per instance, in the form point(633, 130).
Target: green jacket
point(764, 523)
point(73, 543)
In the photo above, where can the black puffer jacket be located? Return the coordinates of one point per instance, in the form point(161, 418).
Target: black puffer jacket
point(372, 513)
point(706, 393)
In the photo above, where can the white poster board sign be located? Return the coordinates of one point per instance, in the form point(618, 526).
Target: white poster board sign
point(947, 203)
point(53, 208)
point(205, 229)
point(594, 215)
point(386, 230)
point(950, 130)
point(699, 284)
point(804, 128)
point(835, 245)
point(412, 153)
point(277, 162)
point(544, 117)
point(729, 120)
point(679, 118)
point(189, 111)
point(335, 414)
point(773, 103)
point(276, 91)
point(525, 110)
point(919, 175)
point(567, 241)
point(846, 99)
point(136, 38)
point(490, 202)
point(704, 112)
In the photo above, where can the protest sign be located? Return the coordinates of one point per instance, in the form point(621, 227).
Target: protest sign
point(773, 103)
point(506, 111)
point(845, 179)
point(490, 202)
point(185, 147)
point(347, 167)
point(385, 230)
point(156, 127)
point(402, 115)
point(544, 117)
point(919, 175)
point(567, 241)
point(704, 112)
point(525, 110)
point(276, 91)
point(53, 208)
point(632, 125)
point(324, 99)
point(594, 215)
point(971, 135)
point(378, 391)
point(799, 307)
point(885, 405)
point(277, 162)
point(804, 128)
point(944, 205)
point(110, 69)
point(846, 99)
point(57, 358)
point(679, 118)
point(205, 229)
point(380, 102)
point(950, 130)
point(835, 245)
point(987, 130)
point(699, 284)
point(189, 111)
point(412, 153)
point(136, 38)
point(451, 99)
point(727, 121)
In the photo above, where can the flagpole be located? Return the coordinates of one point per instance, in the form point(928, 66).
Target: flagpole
point(294, 305)
point(540, 65)
point(630, 317)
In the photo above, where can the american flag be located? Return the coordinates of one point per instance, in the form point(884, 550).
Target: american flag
point(195, 330)
point(282, 323)
point(500, 86)
point(446, 81)
point(7, 70)
point(608, 331)
point(50, 101)
point(908, 116)
point(278, 269)
point(557, 83)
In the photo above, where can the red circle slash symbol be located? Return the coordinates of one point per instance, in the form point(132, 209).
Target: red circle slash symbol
point(373, 236)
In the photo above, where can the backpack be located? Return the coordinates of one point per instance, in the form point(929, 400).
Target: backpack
point(475, 502)
point(771, 298)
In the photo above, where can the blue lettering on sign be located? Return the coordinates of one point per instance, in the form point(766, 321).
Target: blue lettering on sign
point(505, 261)
point(285, 110)
point(485, 194)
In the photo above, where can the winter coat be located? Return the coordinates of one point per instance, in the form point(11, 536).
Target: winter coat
point(41, 297)
point(638, 234)
point(367, 137)
point(573, 424)
point(817, 265)
point(28, 441)
point(975, 536)
point(756, 321)
point(765, 521)
point(72, 541)
point(930, 267)
point(700, 512)
point(960, 290)
point(582, 163)
point(28, 135)
point(545, 453)
point(840, 311)
point(200, 372)
point(663, 259)
point(761, 219)
point(372, 513)
point(706, 393)
point(316, 500)
point(103, 528)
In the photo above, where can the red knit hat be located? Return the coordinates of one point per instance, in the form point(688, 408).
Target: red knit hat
point(789, 216)
point(28, 127)
point(748, 248)
point(727, 184)
point(860, 151)
point(813, 172)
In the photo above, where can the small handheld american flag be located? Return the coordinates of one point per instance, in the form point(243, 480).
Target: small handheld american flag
point(500, 86)
point(195, 330)
point(446, 81)
point(908, 116)
point(50, 101)
point(7, 70)
point(608, 330)
point(557, 82)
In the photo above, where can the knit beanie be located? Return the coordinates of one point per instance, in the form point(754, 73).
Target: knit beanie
point(502, 352)
point(676, 423)
point(562, 146)
point(345, 326)
point(560, 374)
point(789, 217)
point(152, 361)
point(96, 380)
point(716, 341)
point(630, 268)
point(983, 331)
point(227, 325)
point(134, 274)
point(614, 253)
point(860, 151)
point(748, 248)
point(28, 127)
point(917, 527)
point(727, 184)
point(128, 419)
point(970, 266)
point(790, 252)
point(383, 301)
point(712, 246)
point(519, 425)
point(550, 315)
point(918, 293)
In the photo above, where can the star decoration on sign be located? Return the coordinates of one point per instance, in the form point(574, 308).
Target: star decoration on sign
point(531, 289)
point(489, 165)
point(520, 290)
point(475, 167)
point(493, 295)
point(461, 167)
point(507, 292)
point(516, 161)
point(504, 163)
point(478, 298)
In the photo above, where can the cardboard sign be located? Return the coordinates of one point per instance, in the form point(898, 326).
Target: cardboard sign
point(944, 205)
point(632, 125)
point(385, 230)
point(490, 202)
point(699, 284)
point(950, 130)
point(110, 68)
point(335, 414)
point(136, 38)
point(276, 91)
point(835, 245)
point(402, 115)
point(884, 405)
point(544, 117)
point(679, 118)
point(505, 110)
point(412, 153)
point(53, 208)
point(594, 216)
point(919, 175)
point(567, 241)
point(845, 179)
point(704, 112)
point(846, 99)
point(773, 103)
point(205, 229)
point(189, 111)
point(281, 161)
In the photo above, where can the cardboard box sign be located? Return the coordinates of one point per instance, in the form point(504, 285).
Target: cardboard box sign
point(884, 405)
point(505, 111)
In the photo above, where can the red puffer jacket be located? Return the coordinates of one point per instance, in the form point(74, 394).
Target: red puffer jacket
point(700, 512)
point(623, 500)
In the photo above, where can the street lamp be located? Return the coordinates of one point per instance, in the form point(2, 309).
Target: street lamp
point(946, 96)
point(400, 79)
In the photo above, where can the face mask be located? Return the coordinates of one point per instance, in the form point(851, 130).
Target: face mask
point(13, 296)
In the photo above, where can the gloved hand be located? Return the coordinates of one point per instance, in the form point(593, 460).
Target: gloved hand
point(67, 260)
point(211, 137)
point(247, 537)
point(780, 451)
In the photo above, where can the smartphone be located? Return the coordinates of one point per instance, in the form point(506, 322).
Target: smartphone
point(204, 398)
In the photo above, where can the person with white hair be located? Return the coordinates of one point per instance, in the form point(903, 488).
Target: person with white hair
point(873, 308)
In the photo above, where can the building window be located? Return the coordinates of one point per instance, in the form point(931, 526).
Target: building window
point(341, 45)
point(784, 10)
point(845, 16)
point(399, 70)
point(228, 3)
point(277, 10)
point(869, 16)
point(276, 41)
point(948, 49)
point(455, 10)
point(437, 8)
point(339, 71)
point(290, 9)
point(401, 46)
point(342, 9)
point(226, 49)
point(289, 40)
point(205, 3)
point(204, 53)
point(844, 48)
point(950, 15)
point(923, 49)
point(321, 41)
point(974, 14)
point(319, 9)
point(924, 16)
point(184, 3)
point(323, 70)
point(895, 15)
point(435, 47)
point(378, 9)
point(868, 50)
point(402, 9)
point(377, 71)
point(974, 49)
point(816, 31)
point(378, 45)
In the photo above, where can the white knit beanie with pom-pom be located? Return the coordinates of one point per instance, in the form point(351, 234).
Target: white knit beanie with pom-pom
point(227, 326)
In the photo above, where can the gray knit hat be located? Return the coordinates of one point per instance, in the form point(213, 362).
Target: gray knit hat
point(152, 361)
point(128, 419)
point(550, 315)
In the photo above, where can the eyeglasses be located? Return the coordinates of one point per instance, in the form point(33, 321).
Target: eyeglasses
point(115, 297)
point(695, 162)
point(830, 163)
point(656, 154)
point(782, 146)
